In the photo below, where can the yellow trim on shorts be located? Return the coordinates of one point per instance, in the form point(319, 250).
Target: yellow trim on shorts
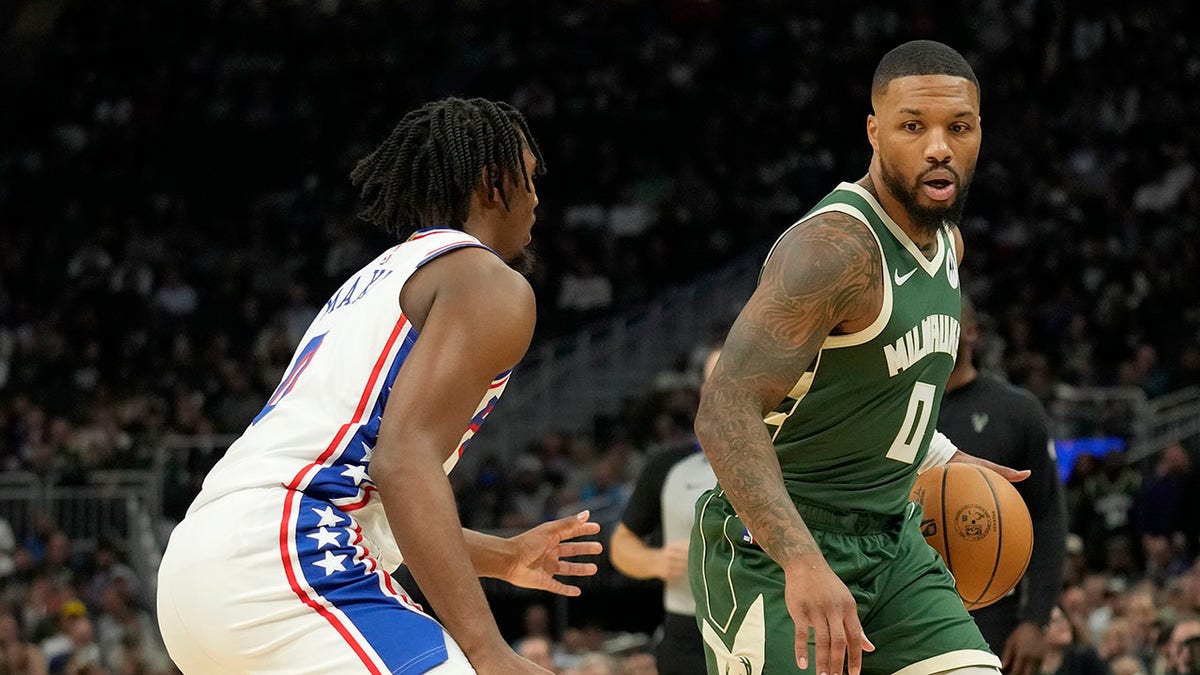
point(951, 660)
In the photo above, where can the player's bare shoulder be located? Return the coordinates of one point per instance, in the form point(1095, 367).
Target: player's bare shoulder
point(508, 290)
point(830, 262)
point(474, 281)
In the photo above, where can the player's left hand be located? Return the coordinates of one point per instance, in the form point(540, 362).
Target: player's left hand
point(1011, 475)
point(539, 553)
point(1024, 649)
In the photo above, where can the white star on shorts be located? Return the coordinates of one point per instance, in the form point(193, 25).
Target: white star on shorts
point(324, 538)
point(356, 471)
point(332, 563)
point(328, 517)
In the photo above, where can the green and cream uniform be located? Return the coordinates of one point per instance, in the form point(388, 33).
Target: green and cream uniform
point(849, 437)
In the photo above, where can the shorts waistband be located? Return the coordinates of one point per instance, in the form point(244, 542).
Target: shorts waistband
point(846, 522)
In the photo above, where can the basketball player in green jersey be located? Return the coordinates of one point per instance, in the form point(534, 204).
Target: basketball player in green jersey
point(817, 416)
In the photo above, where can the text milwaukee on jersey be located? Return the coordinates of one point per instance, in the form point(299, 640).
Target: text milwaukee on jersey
point(935, 333)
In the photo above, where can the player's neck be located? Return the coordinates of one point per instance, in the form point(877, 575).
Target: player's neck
point(480, 226)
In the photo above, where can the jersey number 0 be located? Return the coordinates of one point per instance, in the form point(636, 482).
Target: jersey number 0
point(916, 419)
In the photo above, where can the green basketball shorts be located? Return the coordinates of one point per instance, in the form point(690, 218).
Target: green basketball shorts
point(906, 598)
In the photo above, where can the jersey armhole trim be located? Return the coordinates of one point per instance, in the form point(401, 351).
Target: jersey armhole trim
point(453, 246)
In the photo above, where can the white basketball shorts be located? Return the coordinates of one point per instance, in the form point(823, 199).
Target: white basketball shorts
point(271, 580)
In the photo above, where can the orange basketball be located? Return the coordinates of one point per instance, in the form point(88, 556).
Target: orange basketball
point(977, 521)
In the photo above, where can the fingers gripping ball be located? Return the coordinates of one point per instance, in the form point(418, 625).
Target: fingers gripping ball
point(979, 524)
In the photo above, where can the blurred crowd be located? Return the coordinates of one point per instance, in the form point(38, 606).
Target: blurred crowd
point(172, 222)
point(70, 609)
point(174, 206)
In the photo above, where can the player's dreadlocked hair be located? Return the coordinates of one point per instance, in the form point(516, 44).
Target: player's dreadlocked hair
point(424, 173)
point(920, 57)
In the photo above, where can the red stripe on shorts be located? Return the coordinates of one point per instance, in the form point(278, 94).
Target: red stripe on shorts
point(285, 525)
point(285, 549)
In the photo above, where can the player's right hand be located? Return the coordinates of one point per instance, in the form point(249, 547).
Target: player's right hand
point(817, 599)
point(673, 560)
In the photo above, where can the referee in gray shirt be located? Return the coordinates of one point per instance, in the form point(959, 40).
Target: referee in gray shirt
point(990, 418)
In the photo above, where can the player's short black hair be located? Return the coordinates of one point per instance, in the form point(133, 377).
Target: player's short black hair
point(423, 174)
point(920, 57)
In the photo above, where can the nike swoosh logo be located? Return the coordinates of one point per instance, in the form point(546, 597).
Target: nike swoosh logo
point(901, 279)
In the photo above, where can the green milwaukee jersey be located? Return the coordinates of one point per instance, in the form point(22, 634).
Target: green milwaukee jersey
point(852, 431)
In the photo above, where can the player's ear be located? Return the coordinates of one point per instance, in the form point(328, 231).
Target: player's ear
point(873, 132)
point(487, 195)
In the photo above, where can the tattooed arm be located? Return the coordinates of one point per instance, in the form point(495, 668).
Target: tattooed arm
point(824, 277)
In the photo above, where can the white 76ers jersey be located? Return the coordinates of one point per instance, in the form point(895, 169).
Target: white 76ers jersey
point(317, 431)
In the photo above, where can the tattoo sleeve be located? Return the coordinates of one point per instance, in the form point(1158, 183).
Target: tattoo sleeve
point(823, 273)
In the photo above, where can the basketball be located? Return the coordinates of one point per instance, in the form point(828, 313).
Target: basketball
point(977, 521)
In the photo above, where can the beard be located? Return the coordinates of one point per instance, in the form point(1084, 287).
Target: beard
point(928, 219)
point(526, 262)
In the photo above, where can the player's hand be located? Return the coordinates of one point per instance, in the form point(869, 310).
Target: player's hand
point(1011, 475)
point(673, 560)
point(539, 554)
point(1024, 649)
point(816, 598)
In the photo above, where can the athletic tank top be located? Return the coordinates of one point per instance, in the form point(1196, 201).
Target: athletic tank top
point(854, 428)
point(319, 428)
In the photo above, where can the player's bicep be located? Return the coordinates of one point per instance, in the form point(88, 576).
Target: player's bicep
point(822, 274)
point(762, 355)
point(473, 332)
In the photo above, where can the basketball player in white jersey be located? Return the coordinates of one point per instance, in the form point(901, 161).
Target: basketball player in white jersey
point(282, 564)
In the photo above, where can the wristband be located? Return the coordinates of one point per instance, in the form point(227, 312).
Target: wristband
point(941, 449)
